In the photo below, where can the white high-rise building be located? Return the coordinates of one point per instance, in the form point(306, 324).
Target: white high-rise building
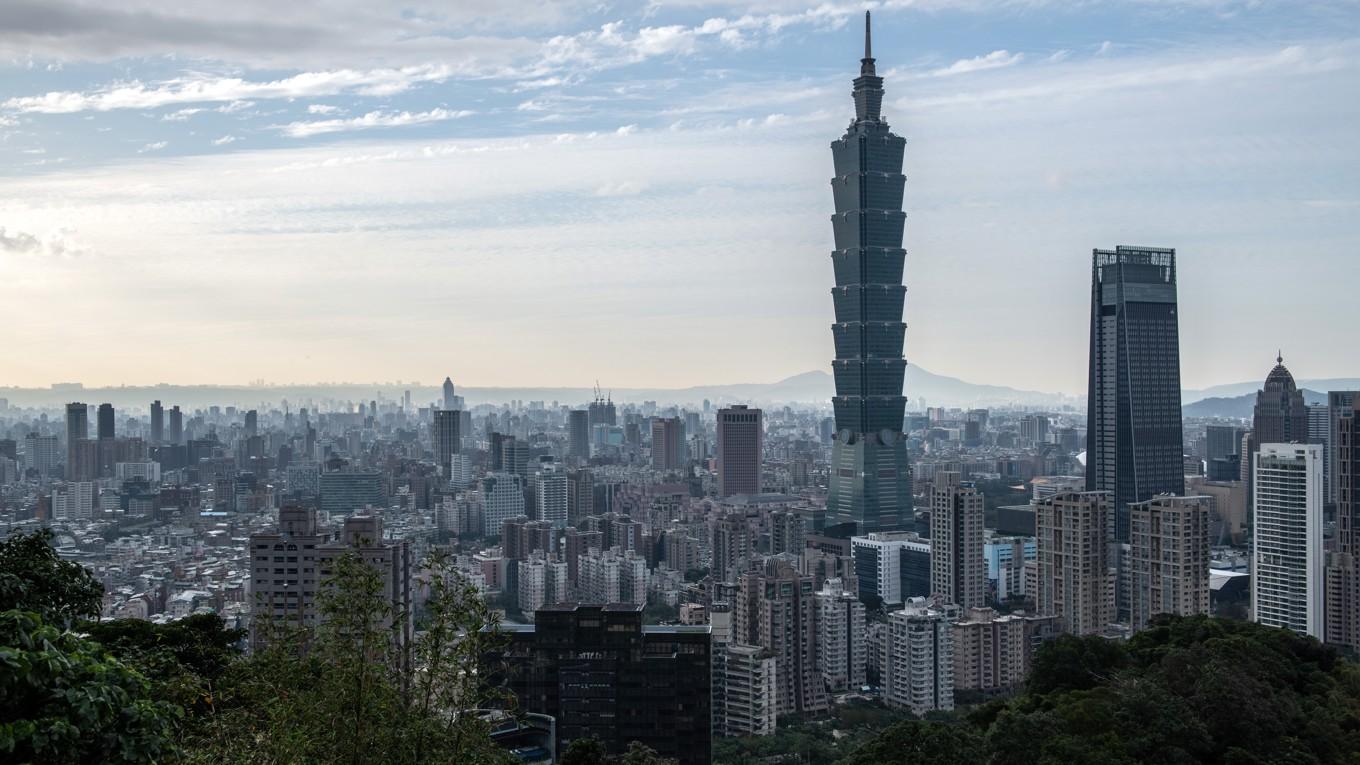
point(918, 671)
point(1287, 554)
point(541, 582)
point(73, 500)
point(879, 558)
point(840, 637)
point(611, 576)
point(552, 495)
point(744, 690)
point(502, 498)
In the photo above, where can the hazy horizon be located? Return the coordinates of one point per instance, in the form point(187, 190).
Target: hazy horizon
point(638, 193)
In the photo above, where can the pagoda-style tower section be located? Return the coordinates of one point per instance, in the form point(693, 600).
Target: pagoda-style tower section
point(870, 478)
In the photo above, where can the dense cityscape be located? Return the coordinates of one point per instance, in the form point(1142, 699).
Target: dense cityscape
point(679, 578)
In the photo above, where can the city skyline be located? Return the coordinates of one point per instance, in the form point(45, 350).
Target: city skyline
point(358, 240)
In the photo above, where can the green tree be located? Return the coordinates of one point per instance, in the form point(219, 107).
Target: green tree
point(913, 741)
point(33, 578)
point(584, 751)
point(63, 700)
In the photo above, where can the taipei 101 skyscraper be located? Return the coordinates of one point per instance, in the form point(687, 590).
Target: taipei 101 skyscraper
point(870, 478)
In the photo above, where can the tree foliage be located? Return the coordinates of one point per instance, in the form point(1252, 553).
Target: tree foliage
point(589, 751)
point(64, 700)
point(1185, 690)
point(33, 578)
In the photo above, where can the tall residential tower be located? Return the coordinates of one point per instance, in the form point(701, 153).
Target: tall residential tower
point(870, 479)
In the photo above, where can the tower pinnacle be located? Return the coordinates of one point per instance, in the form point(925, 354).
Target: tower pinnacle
point(866, 64)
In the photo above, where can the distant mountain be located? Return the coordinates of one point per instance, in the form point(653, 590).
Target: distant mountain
point(1238, 407)
point(814, 387)
point(1235, 390)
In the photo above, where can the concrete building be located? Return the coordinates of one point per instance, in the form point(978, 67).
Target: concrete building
point(541, 582)
point(776, 609)
point(732, 547)
point(745, 687)
point(741, 438)
point(958, 571)
point(578, 435)
point(841, 651)
point(918, 669)
point(1343, 566)
point(668, 443)
point(350, 491)
point(1287, 550)
point(1168, 557)
point(993, 653)
point(1074, 579)
point(551, 490)
point(502, 498)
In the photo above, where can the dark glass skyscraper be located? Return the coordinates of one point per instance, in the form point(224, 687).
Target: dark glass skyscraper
point(870, 480)
point(1134, 444)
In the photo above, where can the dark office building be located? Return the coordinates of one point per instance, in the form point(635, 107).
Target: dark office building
point(176, 426)
point(157, 423)
point(1134, 445)
point(870, 480)
point(578, 434)
point(444, 433)
point(104, 426)
point(599, 672)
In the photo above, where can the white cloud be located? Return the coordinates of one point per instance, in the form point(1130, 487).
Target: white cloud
point(620, 189)
point(627, 130)
point(156, 146)
point(22, 243)
point(1105, 47)
point(997, 59)
point(322, 109)
point(224, 140)
point(371, 120)
point(236, 91)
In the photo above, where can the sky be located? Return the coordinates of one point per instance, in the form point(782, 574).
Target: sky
point(551, 193)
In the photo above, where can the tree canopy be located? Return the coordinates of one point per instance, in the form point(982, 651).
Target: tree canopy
point(1185, 690)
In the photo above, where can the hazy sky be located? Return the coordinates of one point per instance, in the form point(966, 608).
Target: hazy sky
point(549, 193)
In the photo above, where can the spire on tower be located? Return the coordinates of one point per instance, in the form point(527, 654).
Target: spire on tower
point(866, 64)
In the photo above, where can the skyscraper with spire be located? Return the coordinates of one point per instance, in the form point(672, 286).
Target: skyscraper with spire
point(870, 479)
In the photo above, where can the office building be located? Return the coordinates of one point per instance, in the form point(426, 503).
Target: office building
point(41, 454)
point(77, 430)
point(891, 567)
point(450, 399)
point(1340, 403)
point(105, 424)
point(600, 673)
point(344, 492)
point(176, 426)
point(1280, 416)
point(1287, 550)
point(958, 570)
point(918, 669)
point(1134, 444)
point(502, 497)
point(1168, 557)
point(1074, 579)
point(1342, 620)
point(514, 456)
point(741, 439)
point(578, 435)
point(870, 482)
point(787, 532)
point(840, 637)
point(445, 434)
point(551, 491)
point(668, 443)
point(776, 609)
point(580, 495)
point(157, 423)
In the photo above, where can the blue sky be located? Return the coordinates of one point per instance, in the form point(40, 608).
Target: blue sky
point(549, 193)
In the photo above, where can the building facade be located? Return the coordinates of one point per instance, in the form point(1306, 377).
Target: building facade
point(1287, 548)
point(958, 569)
point(741, 438)
point(1168, 557)
point(1134, 444)
point(918, 670)
point(1074, 580)
point(870, 482)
